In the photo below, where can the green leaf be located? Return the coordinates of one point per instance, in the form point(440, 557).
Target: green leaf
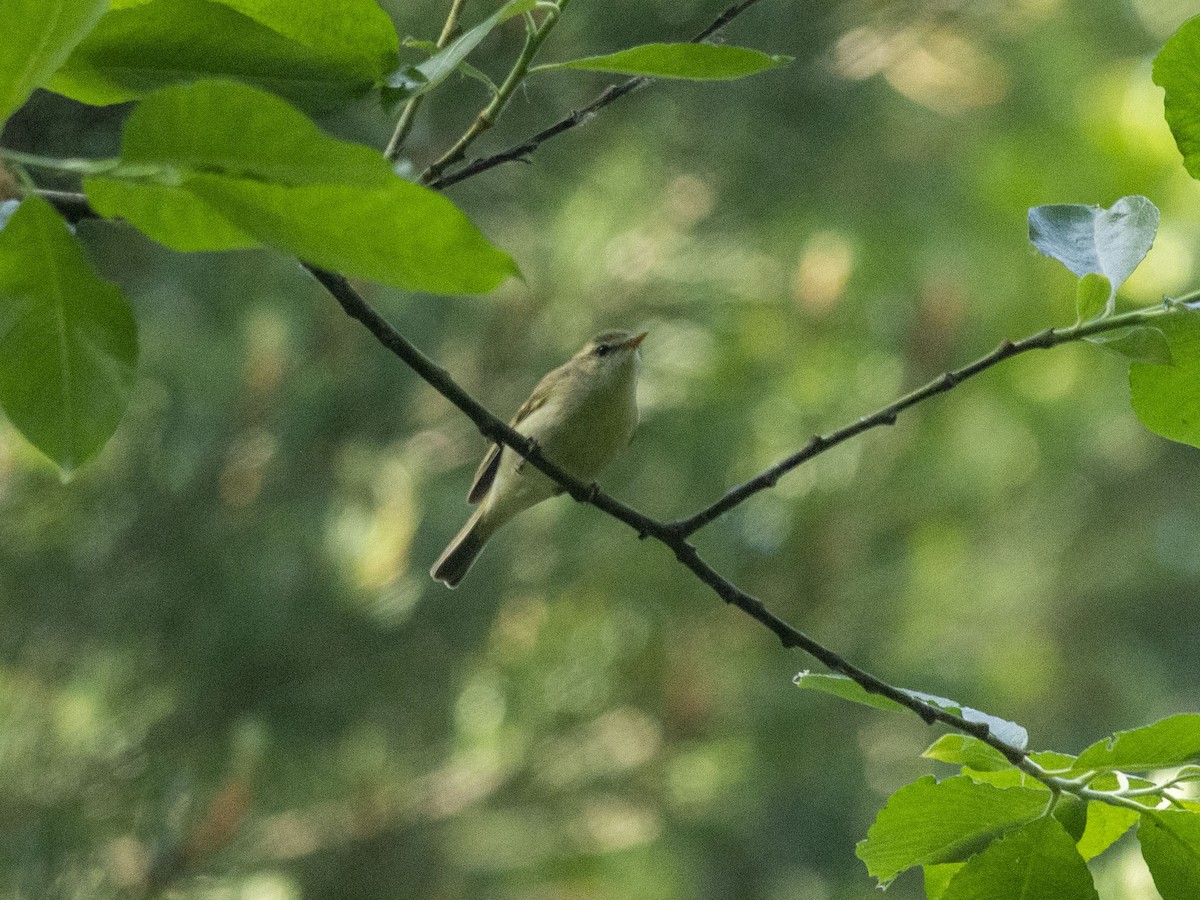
point(1173, 741)
point(137, 50)
point(843, 687)
point(38, 35)
point(1105, 824)
point(410, 81)
point(357, 32)
point(937, 879)
point(1071, 813)
point(220, 165)
point(1141, 344)
point(1092, 295)
point(1170, 842)
point(1035, 862)
point(1167, 398)
point(930, 822)
point(1087, 239)
point(1175, 70)
point(402, 234)
point(696, 62)
point(68, 342)
point(966, 751)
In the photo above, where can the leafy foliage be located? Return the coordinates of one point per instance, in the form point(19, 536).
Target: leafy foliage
point(37, 36)
point(256, 170)
point(213, 159)
point(146, 47)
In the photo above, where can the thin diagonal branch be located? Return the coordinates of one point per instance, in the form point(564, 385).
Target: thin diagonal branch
point(669, 534)
point(610, 94)
point(409, 115)
point(887, 415)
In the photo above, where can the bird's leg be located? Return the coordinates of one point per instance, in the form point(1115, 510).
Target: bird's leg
point(533, 447)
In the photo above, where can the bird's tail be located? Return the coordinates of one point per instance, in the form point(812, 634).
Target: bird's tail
point(459, 556)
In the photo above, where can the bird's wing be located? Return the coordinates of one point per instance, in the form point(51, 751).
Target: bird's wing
point(486, 473)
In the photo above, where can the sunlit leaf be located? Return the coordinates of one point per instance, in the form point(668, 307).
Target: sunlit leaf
point(258, 171)
point(696, 62)
point(1173, 741)
point(937, 878)
point(1105, 824)
point(353, 31)
point(1170, 842)
point(938, 822)
point(68, 342)
point(137, 50)
point(1037, 861)
point(1087, 239)
point(1092, 295)
point(1167, 398)
point(1175, 70)
point(966, 751)
point(38, 35)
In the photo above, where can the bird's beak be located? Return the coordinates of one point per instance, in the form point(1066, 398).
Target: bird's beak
point(635, 342)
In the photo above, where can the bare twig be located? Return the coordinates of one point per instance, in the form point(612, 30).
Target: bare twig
point(610, 94)
point(409, 115)
point(820, 443)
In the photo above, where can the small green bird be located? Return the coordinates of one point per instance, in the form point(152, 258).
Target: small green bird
point(582, 415)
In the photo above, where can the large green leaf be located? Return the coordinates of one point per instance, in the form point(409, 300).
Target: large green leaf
point(354, 31)
point(1170, 842)
point(1105, 824)
point(38, 35)
point(219, 165)
point(139, 49)
point(1091, 240)
point(1167, 398)
point(938, 877)
point(1035, 862)
point(929, 822)
point(68, 342)
point(968, 752)
point(1169, 742)
point(410, 81)
point(696, 62)
point(845, 688)
point(1177, 71)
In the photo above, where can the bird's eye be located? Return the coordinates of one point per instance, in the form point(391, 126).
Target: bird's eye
point(603, 349)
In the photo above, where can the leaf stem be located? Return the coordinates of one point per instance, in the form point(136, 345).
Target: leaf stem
point(409, 114)
point(487, 117)
point(76, 165)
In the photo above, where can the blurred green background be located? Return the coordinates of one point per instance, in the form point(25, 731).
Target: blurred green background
point(222, 660)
